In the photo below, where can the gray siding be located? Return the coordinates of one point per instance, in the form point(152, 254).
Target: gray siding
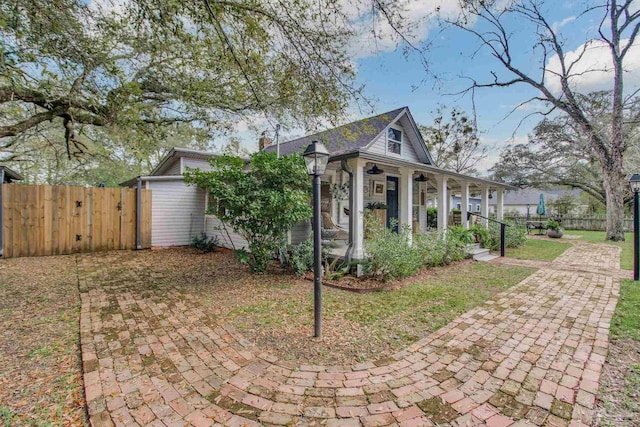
point(174, 169)
point(379, 146)
point(226, 237)
point(300, 232)
point(177, 212)
point(201, 164)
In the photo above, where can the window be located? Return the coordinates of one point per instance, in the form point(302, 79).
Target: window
point(469, 207)
point(215, 207)
point(478, 208)
point(458, 206)
point(394, 141)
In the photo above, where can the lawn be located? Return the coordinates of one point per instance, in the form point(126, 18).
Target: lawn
point(626, 257)
point(40, 375)
point(363, 326)
point(538, 249)
point(620, 389)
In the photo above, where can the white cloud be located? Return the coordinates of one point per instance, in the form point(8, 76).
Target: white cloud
point(593, 68)
point(557, 25)
point(374, 34)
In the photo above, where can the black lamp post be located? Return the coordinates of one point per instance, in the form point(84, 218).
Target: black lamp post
point(316, 158)
point(635, 186)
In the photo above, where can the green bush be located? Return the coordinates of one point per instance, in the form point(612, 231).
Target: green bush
point(432, 217)
point(204, 243)
point(437, 251)
point(515, 236)
point(260, 202)
point(301, 257)
point(388, 254)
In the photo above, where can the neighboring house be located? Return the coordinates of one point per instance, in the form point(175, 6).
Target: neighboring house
point(7, 175)
point(525, 201)
point(474, 205)
point(386, 157)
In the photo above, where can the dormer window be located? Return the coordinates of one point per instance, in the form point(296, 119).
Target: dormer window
point(394, 141)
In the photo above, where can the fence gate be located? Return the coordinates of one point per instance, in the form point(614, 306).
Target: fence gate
point(51, 220)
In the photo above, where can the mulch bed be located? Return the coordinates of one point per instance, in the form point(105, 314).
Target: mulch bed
point(371, 284)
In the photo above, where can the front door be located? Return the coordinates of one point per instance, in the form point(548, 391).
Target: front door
point(392, 202)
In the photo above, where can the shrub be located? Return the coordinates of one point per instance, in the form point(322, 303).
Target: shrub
point(515, 235)
point(388, 254)
point(301, 257)
point(436, 250)
point(204, 243)
point(552, 224)
point(432, 217)
point(260, 203)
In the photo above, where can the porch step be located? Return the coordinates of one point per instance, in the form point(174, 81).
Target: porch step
point(479, 254)
point(484, 258)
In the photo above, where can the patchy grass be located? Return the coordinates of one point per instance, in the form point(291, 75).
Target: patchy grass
point(626, 318)
point(619, 395)
point(40, 372)
point(538, 249)
point(626, 257)
point(361, 326)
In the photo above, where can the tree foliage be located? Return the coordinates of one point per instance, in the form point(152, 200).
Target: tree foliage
point(75, 73)
point(453, 141)
point(558, 154)
point(493, 23)
point(261, 202)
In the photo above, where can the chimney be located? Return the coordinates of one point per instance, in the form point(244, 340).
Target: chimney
point(264, 141)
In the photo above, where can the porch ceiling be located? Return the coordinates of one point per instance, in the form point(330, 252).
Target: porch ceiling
point(434, 171)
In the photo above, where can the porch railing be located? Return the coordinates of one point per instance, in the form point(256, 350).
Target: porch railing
point(503, 227)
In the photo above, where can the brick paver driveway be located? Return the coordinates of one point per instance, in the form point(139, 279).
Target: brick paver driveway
point(531, 356)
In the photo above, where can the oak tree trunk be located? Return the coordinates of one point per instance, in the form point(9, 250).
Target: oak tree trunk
point(614, 185)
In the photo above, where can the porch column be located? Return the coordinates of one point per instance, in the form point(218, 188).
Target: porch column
point(358, 184)
point(443, 204)
point(406, 199)
point(484, 205)
point(464, 204)
point(500, 204)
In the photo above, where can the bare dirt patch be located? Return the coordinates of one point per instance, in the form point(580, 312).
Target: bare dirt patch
point(40, 370)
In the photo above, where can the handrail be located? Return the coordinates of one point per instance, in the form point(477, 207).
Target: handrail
point(490, 219)
point(503, 226)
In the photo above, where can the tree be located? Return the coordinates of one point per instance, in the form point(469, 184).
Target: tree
point(618, 29)
point(453, 142)
point(564, 204)
point(261, 203)
point(553, 72)
point(143, 65)
point(557, 153)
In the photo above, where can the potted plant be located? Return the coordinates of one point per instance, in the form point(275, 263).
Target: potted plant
point(553, 229)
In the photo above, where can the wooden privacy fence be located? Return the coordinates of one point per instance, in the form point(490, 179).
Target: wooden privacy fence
point(50, 220)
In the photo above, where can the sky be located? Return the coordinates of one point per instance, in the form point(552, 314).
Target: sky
point(393, 78)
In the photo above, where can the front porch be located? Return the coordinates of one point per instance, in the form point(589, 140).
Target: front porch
point(407, 189)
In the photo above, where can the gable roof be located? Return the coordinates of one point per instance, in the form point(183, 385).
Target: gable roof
point(175, 154)
point(9, 175)
point(531, 196)
point(344, 139)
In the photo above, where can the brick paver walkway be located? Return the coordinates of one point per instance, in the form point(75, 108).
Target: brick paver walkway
point(531, 356)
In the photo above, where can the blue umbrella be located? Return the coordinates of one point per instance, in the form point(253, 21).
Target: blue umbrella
point(541, 208)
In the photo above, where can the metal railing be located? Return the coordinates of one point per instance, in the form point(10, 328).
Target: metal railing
point(503, 227)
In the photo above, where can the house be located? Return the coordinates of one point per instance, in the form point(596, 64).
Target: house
point(380, 159)
point(7, 175)
point(523, 202)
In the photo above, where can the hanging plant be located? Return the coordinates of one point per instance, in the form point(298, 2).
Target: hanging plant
point(340, 192)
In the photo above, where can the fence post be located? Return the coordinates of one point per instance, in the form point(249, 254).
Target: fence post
point(139, 214)
point(502, 233)
point(1, 219)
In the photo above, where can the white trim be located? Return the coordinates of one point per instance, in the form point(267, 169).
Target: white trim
point(400, 129)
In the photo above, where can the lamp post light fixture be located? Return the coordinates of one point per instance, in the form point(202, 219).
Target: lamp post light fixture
point(635, 187)
point(316, 158)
